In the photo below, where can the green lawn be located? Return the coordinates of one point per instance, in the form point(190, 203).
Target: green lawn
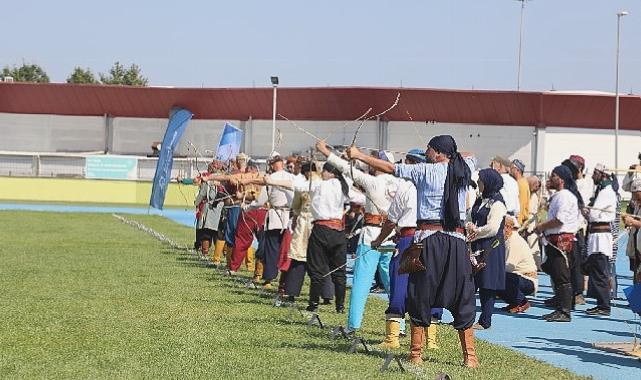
point(86, 296)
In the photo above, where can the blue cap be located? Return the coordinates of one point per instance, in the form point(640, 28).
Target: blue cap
point(417, 155)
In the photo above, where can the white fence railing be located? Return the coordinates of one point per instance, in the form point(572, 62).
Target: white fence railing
point(73, 165)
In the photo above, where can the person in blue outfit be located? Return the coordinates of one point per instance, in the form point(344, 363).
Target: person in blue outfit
point(441, 187)
point(488, 221)
point(402, 218)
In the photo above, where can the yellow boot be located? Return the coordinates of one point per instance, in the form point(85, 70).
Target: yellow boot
point(258, 271)
point(218, 252)
point(392, 330)
point(228, 249)
point(249, 259)
point(431, 337)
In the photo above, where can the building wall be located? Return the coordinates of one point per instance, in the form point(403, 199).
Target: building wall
point(51, 133)
point(548, 146)
point(485, 141)
point(595, 145)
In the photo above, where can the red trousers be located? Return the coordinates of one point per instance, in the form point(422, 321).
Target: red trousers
point(249, 223)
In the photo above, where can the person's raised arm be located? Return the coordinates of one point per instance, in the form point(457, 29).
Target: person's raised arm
point(373, 162)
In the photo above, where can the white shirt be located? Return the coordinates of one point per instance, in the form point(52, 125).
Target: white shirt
point(380, 191)
point(280, 200)
point(402, 210)
point(327, 200)
point(510, 193)
point(565, 207)
point(585, 186)
point(602, 242)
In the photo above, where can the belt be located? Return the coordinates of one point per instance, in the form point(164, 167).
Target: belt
point(334, 224)
point(563, 241)
point(374, 219)
point(597, 227)
point(435, 226)
point(407, 231)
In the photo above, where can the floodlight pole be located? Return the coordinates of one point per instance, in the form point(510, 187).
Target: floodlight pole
point(518, 75)
point(616, 93)
point(274, 80)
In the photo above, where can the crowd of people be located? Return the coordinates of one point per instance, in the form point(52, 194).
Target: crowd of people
point(432, 230)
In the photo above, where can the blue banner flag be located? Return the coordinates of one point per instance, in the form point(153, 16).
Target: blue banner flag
point(178, 120)
point(229, 145)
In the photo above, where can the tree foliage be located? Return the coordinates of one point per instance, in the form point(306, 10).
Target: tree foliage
point(120, 75)
point(26, 73)
point(82, 76)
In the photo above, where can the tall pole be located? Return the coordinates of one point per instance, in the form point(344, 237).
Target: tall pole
point(518, 78)
point(616, 93)
point(274, 96)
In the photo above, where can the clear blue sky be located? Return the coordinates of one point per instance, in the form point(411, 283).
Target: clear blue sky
point(568, 44)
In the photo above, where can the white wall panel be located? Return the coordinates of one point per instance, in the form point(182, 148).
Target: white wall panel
point(595, 145)
point(336, 133)
point(485, 141)
point(51, 133)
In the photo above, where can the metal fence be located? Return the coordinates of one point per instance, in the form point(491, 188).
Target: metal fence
point(62, 165)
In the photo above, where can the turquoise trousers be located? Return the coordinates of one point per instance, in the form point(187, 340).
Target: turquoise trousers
point(365, 266)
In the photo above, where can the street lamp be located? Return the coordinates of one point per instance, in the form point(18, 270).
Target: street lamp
point(518, 75)
point(275, 86)
point(616, 93)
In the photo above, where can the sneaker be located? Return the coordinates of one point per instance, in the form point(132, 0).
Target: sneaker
point(598, 311)
point(559, 316)
point(230, 272)
point(312, 307)
point(340, 309)
point(579, 299)
point(327, 301)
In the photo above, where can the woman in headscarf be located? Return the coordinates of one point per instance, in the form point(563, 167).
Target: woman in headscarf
point(488, 215)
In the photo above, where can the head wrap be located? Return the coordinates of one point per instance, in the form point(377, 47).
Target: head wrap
point(242, 156)
point(274, 157)
point(307, 167)
point(573, 166)
point(569, 183)
point(417, 155)
point(519, 165)
point(458, 179)
point(580, 161)
point(635, 186)
point(337, 173)
point(492, 184)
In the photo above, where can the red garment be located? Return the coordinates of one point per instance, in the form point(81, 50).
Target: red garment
point(249, 223)
point(283, 260)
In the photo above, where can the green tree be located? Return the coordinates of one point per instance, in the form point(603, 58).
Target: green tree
point(80, 75)
point(26, 73)
point(120, 75)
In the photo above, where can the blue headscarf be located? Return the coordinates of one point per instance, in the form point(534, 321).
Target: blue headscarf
point(492, 184)
point(458, 179)
point(569, 183)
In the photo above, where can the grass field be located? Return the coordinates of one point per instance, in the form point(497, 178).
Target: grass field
point(86, 296)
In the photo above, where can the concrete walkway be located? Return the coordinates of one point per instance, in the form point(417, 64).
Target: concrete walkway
point(566, 345)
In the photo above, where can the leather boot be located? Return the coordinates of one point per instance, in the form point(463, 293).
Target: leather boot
point(416, 346)
point(218, 252)
point(467, 345)
point(228, 249)
point(431, 337)
point(258, 271)
point(204, 248)
point(392, 329)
